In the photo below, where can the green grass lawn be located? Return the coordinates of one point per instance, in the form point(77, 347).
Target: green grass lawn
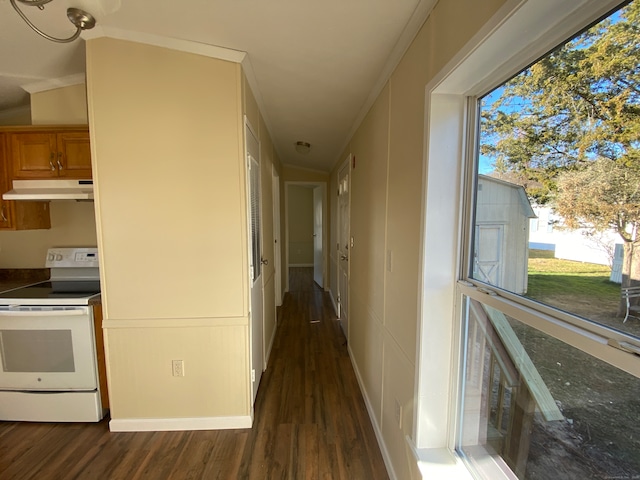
point(552, 276)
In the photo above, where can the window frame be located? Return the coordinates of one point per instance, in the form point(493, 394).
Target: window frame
point(516, 36)
point(595, 339)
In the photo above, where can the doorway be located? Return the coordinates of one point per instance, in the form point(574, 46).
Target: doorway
point(306, 235)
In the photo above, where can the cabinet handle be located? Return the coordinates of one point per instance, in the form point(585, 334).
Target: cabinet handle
point(53, 167)
point(59, 162)
point(4, 217)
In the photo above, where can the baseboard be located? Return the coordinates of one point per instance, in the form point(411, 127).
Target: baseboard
point(177, 424)
point(376, 428)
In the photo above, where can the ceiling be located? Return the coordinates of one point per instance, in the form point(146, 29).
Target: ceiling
point(315, 67)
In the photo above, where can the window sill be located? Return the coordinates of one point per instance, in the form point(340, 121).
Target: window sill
point(439, 463)
point(436, 463)
point(445, 464)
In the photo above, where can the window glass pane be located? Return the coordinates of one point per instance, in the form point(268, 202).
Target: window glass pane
point(544, 408)
point(558, 174)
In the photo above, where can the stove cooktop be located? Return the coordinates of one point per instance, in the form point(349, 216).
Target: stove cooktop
point(60, 292)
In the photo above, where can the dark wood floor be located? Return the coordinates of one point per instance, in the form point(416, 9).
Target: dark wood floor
point(310, 421)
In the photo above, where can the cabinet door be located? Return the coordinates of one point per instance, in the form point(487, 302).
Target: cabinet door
point(5, 185)
point(74, 155)
point(33, 155)
point(18, 215)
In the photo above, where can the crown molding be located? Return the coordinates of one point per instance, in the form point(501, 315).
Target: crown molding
point(52, 83)
point(187, 46)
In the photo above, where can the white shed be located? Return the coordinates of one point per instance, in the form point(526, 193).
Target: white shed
point(501, 250)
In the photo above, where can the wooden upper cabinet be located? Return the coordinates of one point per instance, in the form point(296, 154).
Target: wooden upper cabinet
point(50, 153)
point(74, 154)
point(18, 215)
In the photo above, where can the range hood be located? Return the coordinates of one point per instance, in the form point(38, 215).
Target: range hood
point(50, 190)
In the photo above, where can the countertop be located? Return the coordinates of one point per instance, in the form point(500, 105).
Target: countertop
point(18, 277)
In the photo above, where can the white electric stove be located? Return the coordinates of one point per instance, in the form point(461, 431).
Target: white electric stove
point(48, 361)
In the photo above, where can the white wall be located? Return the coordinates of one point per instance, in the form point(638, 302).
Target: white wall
point(167, 145)
point(571, 244)
point(386, 222)
point(300, 221)
point(60, 106)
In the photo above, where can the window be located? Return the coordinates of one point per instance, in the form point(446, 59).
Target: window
point(550, 378)
point(520, 33)
point(551, 137)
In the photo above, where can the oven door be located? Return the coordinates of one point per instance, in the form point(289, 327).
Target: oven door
point(47, 348)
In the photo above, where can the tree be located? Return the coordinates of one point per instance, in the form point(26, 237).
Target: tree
point(569, 127)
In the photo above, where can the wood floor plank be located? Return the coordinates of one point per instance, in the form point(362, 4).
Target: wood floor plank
point(310, 421)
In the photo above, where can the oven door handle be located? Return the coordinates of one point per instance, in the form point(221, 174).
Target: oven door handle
point(28, 312)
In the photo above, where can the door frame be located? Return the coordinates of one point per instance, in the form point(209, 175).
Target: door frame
point(256, 339)
point(339, 310)
point(277, 247)
point(325, 217)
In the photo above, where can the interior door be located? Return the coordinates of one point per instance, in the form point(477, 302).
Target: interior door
point(318, 257)
point(255, 260)
point(343, 247)
point(277, 242)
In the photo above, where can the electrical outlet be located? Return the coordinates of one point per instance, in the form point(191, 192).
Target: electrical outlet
point(398, 413)
point(178, 368)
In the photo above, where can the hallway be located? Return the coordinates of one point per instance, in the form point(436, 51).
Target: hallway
point(310, 421)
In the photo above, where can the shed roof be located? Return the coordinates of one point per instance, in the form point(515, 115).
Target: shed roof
point(524, 200)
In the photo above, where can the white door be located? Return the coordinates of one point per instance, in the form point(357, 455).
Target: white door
point(488, 254)
point(343, 247)
point(277, 259)
point(318, 274)
point(255, 260)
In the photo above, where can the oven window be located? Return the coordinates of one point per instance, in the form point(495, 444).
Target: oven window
point(36, 351)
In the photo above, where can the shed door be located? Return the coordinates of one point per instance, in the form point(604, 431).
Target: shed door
point(487, 266)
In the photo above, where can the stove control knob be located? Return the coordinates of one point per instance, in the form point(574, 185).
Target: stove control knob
point(51, 257)
point(58, 257)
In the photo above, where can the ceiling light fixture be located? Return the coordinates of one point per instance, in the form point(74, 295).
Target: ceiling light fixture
point(81, 19)
point(303, 147)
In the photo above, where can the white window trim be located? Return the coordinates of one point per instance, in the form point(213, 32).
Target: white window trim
point(519, 33)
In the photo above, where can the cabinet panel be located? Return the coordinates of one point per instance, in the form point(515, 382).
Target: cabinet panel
point(33, 154)
point(18, 215)
point(50, 153)
point(74, 155)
